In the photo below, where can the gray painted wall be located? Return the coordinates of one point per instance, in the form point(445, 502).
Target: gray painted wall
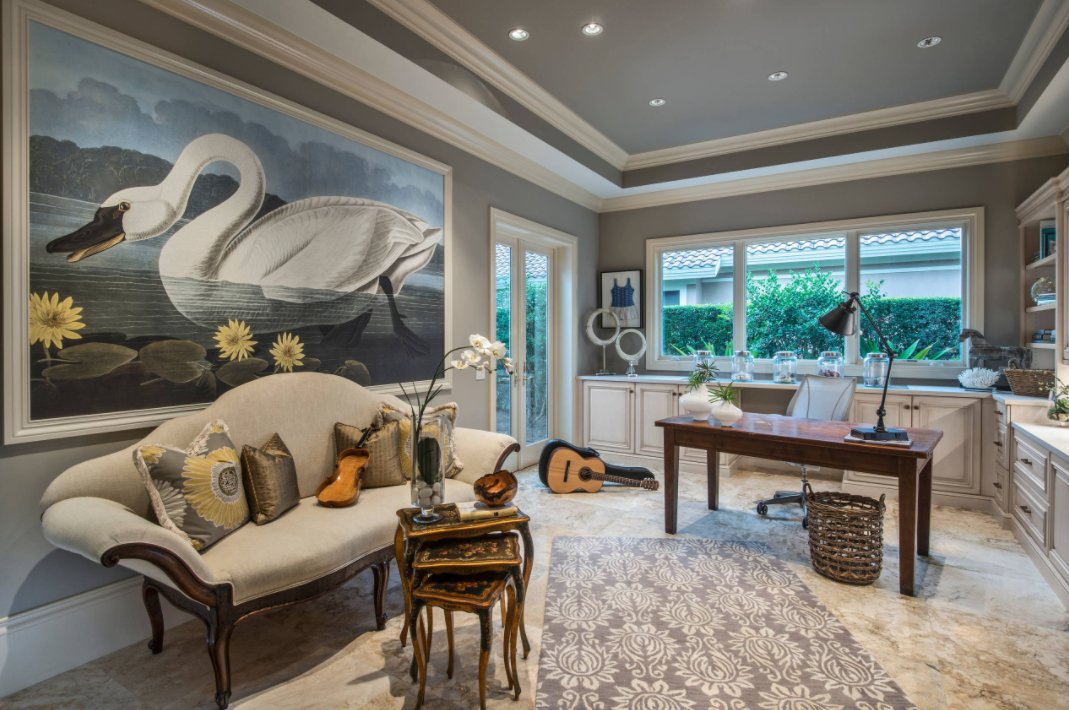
point(999, 188)
point(34, 573)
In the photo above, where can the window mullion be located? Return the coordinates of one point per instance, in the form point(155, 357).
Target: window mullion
point(739, 306)
point(852, 279)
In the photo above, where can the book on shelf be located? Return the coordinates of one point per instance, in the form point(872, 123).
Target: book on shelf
point(475, 510)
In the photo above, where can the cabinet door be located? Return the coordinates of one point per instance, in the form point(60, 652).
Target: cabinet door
point(653, 402)
point(1059, 539)
point(956, 465)
point(899, 414)
point(608, 415)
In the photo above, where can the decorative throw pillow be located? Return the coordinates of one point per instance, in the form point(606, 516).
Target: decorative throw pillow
point(196, 493)
point(438, 422)
point(270, 479)
point(384, 465)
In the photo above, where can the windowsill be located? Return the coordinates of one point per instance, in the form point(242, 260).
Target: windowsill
point(904, 369)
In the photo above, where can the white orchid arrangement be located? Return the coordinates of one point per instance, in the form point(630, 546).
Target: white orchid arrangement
point(481, 354)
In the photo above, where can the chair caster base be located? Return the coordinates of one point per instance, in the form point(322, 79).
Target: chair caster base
point(762, 509)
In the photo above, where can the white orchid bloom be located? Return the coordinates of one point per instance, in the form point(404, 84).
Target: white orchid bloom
point(470, 357)
point(480, 342)
point(497, 349)
point(507, 364)
point(458, 364)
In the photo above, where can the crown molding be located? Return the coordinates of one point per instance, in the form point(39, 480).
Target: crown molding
point(865, 170)
point(825, 128)
point(1048, 26)
point(253, 32)
point(446, 34)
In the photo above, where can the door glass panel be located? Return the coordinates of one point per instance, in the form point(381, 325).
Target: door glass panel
point(503, 332)
point(536, 367)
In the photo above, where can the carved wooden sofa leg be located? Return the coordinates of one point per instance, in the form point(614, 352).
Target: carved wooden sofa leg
point(151, 596)
point(219, 630)
point(381, 570)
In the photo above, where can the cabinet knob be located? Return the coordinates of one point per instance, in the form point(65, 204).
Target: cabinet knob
point(1026, 462)
point(916, 406)
point(996, 484)
point(1025, 509)
point(905, 406)
point(998, 444)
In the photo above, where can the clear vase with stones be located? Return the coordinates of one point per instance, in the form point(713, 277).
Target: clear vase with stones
point(427, 485)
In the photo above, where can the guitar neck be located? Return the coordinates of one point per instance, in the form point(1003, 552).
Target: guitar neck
point(610, 478)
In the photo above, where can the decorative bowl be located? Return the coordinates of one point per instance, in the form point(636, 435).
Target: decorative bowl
point(978, 378)
point(495, 489)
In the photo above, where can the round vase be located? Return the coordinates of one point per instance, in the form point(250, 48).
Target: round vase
point(696, 403)
point(726, 413)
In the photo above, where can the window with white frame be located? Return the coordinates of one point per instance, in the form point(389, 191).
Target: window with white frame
point(920, 276)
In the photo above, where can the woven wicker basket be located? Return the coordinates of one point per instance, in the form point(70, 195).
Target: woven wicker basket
point(1030, 383)
point(845, 535)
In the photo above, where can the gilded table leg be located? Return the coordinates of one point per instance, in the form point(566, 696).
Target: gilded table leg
point(449, 638)
point(486, 639)
point(406, 591)
point(528, 563)
point(419, 657)
point(510, 648)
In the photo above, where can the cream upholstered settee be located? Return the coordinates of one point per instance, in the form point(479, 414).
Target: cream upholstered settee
point(99, 509)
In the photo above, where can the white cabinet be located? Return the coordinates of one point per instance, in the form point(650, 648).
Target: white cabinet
point(1059, 513)
point(653, 402)
point(956, 465)
point(608, 416)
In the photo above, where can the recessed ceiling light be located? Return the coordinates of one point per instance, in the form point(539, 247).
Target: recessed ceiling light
point(518, 34)
point(778, 76)
point(929, 41)
point(592, 29)
point(657, 103)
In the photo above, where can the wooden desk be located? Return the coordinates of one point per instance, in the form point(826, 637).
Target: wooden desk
point(818, 443)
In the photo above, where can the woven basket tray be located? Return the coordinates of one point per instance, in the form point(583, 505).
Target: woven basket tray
point(845, 535)
point(1030, 383)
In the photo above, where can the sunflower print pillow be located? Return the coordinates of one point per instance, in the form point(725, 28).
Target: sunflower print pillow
point(198, 492)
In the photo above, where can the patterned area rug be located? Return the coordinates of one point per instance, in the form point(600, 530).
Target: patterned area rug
point(653, 624)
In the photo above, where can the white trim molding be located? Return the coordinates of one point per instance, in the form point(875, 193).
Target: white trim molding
point(446, 34)
point(46, 641)
point(825, 128)
point(1048, 26)
point(864, 170)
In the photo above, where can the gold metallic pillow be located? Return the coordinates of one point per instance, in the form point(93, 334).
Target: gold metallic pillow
point(196, 493)
point(383, 466)
point(270, 478)
point(438, 422)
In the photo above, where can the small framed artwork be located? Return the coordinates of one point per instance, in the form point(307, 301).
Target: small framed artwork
point(622, 292)
point(1047, 242)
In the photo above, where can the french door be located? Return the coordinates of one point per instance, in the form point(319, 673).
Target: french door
point(525, 320)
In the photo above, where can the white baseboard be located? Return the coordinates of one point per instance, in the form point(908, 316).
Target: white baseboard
point(43, 642)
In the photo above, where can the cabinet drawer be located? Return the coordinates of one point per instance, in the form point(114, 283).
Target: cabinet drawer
point(1031, 512)
point(1030, 463)
point(1001, 486)
point(1002, 446)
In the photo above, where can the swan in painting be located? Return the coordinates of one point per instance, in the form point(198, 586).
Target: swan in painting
point(315, 261)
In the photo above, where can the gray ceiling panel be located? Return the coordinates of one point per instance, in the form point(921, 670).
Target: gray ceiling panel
point(710, 58)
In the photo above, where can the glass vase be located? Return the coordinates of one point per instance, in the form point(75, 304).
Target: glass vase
point(427, 485)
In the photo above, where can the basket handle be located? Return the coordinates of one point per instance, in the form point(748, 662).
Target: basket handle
point(807, 489)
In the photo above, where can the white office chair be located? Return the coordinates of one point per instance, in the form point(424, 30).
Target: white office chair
point(816, 398)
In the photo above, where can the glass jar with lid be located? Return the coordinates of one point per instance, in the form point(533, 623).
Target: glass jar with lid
point(877, 366)
point(742, 366)
point(702, 358)
point(830, 364)
point(784, 366)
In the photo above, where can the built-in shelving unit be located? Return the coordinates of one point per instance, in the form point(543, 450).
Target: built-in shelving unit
point(1047, 204)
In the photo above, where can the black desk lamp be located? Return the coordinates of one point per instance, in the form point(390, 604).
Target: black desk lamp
point(843, 320)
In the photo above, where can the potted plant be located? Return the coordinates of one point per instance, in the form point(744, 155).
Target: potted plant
point(724, 399)
point(1058, 412)
point(696, 401)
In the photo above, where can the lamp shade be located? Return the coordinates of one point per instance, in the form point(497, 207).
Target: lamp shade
point(842, 319)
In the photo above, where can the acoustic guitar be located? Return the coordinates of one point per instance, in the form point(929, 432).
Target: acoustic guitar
point(566, 468)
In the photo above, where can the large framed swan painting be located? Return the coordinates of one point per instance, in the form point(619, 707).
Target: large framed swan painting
point(173, 234)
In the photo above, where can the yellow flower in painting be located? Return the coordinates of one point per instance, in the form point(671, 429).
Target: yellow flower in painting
point(52, 320)
point(288, 351)
point(213, 487)
point(235, 340)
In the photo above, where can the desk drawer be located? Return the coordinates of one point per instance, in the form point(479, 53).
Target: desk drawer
point(1030, 463)
point(1031, 512)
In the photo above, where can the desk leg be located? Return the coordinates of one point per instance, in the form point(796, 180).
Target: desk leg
point(671, 481)
point(907, 525)
point(924, 508)
point(712, 475)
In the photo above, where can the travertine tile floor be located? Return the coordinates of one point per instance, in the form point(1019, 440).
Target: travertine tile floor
point(985, 632)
